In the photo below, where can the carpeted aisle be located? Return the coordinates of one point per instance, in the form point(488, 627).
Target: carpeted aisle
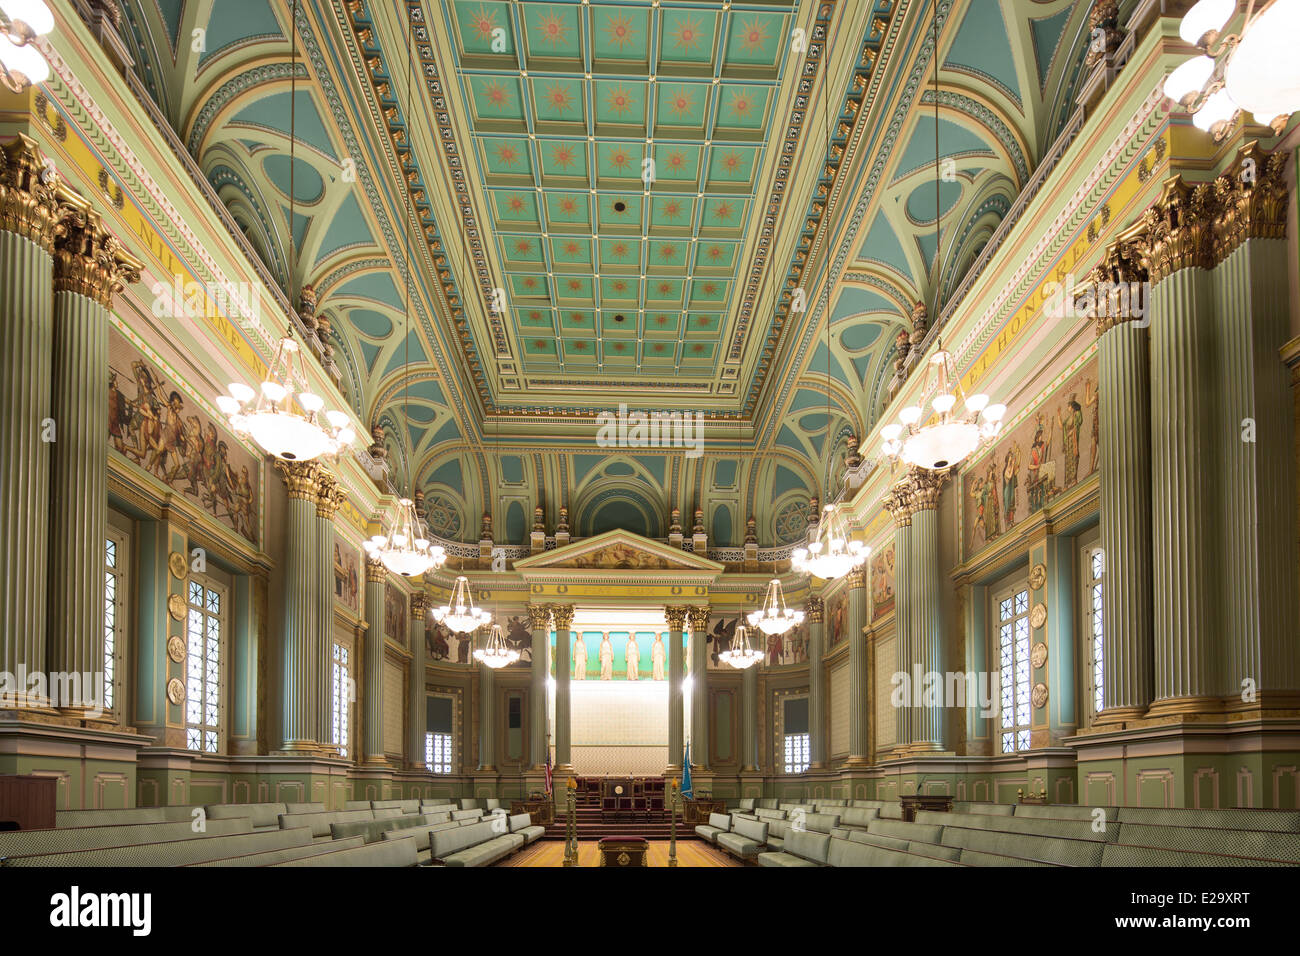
point(689, 853)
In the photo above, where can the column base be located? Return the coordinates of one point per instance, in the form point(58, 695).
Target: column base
point(1118, 715)
point(1180, 706)
point(297, 748)
point(377, 762)
point(857, 760)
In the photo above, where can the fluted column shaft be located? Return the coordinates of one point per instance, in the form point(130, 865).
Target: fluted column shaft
point(858, 704)
point(903, 655)
point(28, 210)
point(1124, 412)
point(487, 689)
point(563, 616)
point(816, 683)
point(374, 692)
point(328, 500)
point(749, 726)
point(927, 630)
point(539, 617)
point(299, 720)
point(417, 706)
point(676, 675)
point(699, 618)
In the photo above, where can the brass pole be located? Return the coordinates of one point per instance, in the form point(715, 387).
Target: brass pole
point(672, 817)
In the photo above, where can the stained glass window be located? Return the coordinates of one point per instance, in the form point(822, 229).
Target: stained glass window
point(796, 753)
point(204, 630)
point(341, 686)
point(1094, 596)
point(437, 753)
point(1014, 671)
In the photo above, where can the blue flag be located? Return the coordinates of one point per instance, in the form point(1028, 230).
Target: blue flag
point(687, 793)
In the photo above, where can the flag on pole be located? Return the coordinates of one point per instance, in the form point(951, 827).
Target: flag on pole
point(548, 766)
point(687, 793)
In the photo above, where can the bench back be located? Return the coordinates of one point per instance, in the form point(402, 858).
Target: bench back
point(469, 803)
point(268, 857)
point(752, 829)
point(171, 853)
point(858, 816)
point(921, 832)
point(466, 814)
point(765, 814)
point(444, 843)
point(811, 846)
point(22, 842)
point(261, 814)
point(720, 820)
point(746, 804)
point(420, 834)
point(405, 806)
point(320, 822)
point(108, 818)
point(816, 822)
point(390, 853)
point(520, 821)
point(767, 803)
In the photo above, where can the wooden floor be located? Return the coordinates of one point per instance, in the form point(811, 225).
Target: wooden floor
point(689, 853)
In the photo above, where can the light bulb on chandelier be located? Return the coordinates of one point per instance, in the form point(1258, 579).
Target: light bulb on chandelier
point(774, 617)
point(497, 653)
point(21, 22)
point(832, 554)
point(460, 613)
point(740, 654)
point(406, 549)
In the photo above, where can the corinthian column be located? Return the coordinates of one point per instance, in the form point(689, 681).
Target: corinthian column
point(898, 502)
point(28, 212)
point(329, 497)
point(539, 619)
point(374, 727)
point(416, 705)
point(299, 721)
point(1184, 560)
point(1124, 412)
point(927, 595)
point(89, 267)
point(813, 611)
point(1256, 472)
point(699, 687)
point(676, 617)
point(563, 614)
point(857, 619)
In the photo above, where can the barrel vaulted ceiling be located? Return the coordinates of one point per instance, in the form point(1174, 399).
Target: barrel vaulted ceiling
point(652, 186)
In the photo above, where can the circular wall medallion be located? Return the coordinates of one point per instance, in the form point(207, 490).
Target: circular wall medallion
point(175, 690)
point(618, 790)
point(1039, 696)
point(1037, 576)
point(176, 564)
point(176, 607)
point(1038, 615)
point(176, 648)
point(1038, 654)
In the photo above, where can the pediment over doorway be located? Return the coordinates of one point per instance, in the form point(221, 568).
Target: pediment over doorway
point(619, 551)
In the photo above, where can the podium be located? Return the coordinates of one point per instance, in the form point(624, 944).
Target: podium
point(624, 851)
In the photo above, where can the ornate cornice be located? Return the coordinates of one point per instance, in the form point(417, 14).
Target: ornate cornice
point(539, 616)
point(329, 496)
point(301, 479)
point(699, 618)
point(813, 607)
point(676, 617)
point(1252, 203)
point(29, 204)
point(375, 570)
point(563, 614)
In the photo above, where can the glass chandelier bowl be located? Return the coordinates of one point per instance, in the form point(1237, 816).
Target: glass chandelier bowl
point(741, 654)
point(774, 617)
point(268, 417)
point(22, 22)
point(460, 613)
point(1255, 70)
point(949, 436)
point(406, 550)
point(497, 653)
point(833, 553)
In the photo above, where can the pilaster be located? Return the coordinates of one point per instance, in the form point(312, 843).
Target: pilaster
point(329, 497)
point(814, 611)
point(539, 618)
point(299, 721)
point(417, 708)
point(676, 617)
point(563, 616)
point(373, 727)
point(699, 620)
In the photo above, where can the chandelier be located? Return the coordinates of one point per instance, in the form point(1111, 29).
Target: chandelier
point(497, 653)
point(833, 553)
point(1255, 70)
point(944, 442)
point(405, 550)
point(21, 65)
point(740, 654)
point(773, 617)
point(267, 416)
point(459, 613)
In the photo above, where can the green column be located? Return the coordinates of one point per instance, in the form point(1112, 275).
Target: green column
point(1256, 468)
point(298, 717)
point(676, 617)
point(539, 619)
point(1185, 554)
point(88, 268)
point(329, 498)
point(859, 744)
point(699, 617)
point(28, 211)
point(898, 502)
point(978, 741)
point(813, 611)
point(244, 649)
point(1124, 415)
point(417, 706)
point(926, 601)
point(563, 615)
point(374, 690)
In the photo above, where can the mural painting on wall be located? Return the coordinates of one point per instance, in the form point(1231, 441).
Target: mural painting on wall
point(1046, 455)
point(347, 574)
point(151, 423)
point(394, 613)
point(778, 649)
point(882, 581)
point(443, 644)
point(617, 655)
point(837, 612)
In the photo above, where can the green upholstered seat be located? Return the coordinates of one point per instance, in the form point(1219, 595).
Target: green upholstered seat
point(748, 804)
point(718, 823)
point(924, 832)
point(979, 858)
point(268, 857)
point(405, 806)
point(816, 822)
point(1266, 845)
point(1119, 854)
point(357, 805)
point(523, 823)
point(172, 852)
point(767, 803)
point(809, 845)
point(467, 813)
point(1059, 850)
point(767, 813)
point(479, 844)
point(386, 853)
point(264, 816)
point(319, 823)
point(1277, 821)
point(891, 811)
point(996, 809)
point(877, 839)
point(26, 842)
point(437, 806)
point(470, 803)
point(1071, 829)
point(1063, 811)
point(108, 818)
point(857, 817)
point(304, 808)
point(371, 831)
point(745, 840)
point(781, 858)
point(875, 804)
point(491, 803)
